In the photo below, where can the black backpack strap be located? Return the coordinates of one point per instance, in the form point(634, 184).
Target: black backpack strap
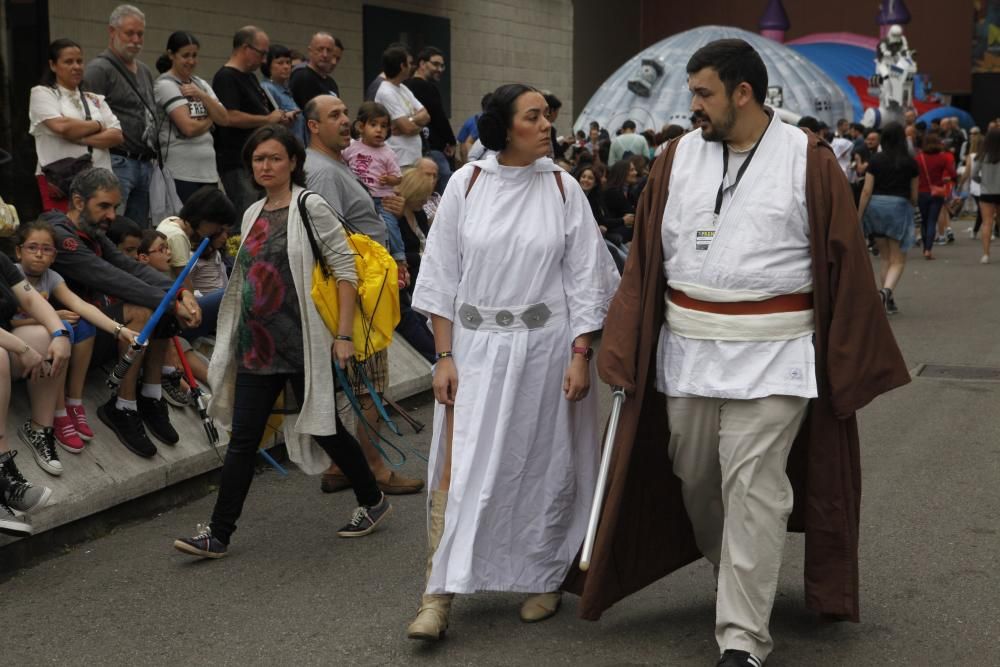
point(307, 223)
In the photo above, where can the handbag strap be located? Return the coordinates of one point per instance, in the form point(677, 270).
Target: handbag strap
point(927, 174)
point(142, 100)
point(86, 112)
point(307, 223)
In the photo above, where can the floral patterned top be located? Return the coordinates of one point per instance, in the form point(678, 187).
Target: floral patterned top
point(269, 340)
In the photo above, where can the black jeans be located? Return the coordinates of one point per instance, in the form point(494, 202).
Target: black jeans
point(255, 396)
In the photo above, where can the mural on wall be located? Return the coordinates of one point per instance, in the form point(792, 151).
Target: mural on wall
point(986, 37)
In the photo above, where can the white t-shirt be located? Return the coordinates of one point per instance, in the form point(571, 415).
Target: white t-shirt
point(188, 158)
point(177, 239)
point(401, 103)
point(48, 103)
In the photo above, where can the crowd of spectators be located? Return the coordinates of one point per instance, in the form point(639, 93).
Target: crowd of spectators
point(117, 146)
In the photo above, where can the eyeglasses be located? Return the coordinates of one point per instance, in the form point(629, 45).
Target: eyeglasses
point(259, 52)
point(154, 251)
point(36, 248)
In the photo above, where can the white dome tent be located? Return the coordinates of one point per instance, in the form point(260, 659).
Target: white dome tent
point(651, 88)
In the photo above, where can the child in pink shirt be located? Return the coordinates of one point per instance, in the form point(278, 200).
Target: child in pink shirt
point(370, 159)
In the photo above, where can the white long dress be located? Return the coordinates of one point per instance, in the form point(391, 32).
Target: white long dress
point(524, 459)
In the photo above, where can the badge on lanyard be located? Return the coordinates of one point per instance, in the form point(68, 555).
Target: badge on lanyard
point(703, 238)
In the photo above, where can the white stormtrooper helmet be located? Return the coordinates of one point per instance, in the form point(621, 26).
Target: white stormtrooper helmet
point(895, 34)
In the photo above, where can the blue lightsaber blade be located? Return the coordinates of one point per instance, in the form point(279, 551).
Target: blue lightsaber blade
point(121, 368)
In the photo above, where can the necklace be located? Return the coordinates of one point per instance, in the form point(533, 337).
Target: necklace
point(276, 204)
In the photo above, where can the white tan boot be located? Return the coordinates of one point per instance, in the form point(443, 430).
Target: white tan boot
point(540, 607)
point(432, 617)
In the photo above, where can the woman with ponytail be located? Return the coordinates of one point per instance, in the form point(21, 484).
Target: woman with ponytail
point(516, 280)
point(192, 110)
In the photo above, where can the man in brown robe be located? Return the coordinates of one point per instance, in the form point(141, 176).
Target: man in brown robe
point(646, 529)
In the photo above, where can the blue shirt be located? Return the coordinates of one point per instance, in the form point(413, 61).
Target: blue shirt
point(283, 96)
point(469, 129)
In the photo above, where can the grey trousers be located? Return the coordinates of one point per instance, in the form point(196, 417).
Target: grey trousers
point(730, 456)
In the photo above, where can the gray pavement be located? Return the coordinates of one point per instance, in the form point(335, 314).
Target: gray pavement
point(291, 592)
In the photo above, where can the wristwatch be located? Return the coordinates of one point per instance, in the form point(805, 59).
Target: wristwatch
point(587, 352)
point(60, 332)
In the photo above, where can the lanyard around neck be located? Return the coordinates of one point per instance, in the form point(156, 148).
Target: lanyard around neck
point(739, 172)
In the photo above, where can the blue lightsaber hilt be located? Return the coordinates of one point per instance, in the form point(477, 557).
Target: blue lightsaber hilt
point(121, 368)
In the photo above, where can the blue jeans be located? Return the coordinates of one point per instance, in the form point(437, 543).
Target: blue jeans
point(930, 209)
point(209, 304)
point(444, 170)
point(134, 177)
point(396, 247)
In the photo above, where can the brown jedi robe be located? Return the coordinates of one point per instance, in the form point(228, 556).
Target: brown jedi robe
point(644, 531)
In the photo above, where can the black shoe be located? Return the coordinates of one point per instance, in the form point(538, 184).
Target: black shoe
point(890, 307)
point(733, 658)
point(9, 469)
point(203, 544)
point(156, 415)
point(173, 391)
point(366, 519)
point(127, 425)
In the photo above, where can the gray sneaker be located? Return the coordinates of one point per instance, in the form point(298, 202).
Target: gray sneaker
point(366, 519)
point(10, 524)
point(43, 447)
point(22, 497)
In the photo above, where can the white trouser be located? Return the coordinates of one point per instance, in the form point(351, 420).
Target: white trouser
point(730, 456)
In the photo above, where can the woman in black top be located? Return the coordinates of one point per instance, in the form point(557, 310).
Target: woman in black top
point(619, 203)
point(590, 183)
point(886, 207)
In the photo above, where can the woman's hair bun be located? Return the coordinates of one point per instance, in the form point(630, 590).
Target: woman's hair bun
point(492, 130)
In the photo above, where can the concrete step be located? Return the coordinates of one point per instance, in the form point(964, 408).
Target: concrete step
point(106, 474)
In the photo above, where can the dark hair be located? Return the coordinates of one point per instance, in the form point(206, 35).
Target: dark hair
point(640, 162)
point(123, 227)
point(27, 228)
point(554, 102)
point(148, 238)
point(177, 41)
point(809, 123)
point(245, 36)
point(428, 52)
point(931, 143)
point(485, 102)
point(991, 146)
point(858, 127)
point(285, 137)
point(498, 116)
point(735, 61)
point(89, 181)
point(618, 174)
point(894, 146)
point(668, 133)
point(628, 125)
point(394, 60)
point(369, 111)
point(603, 150)
point(56, 48)
point(208, 204)
point(276, 51)
point(295, 54)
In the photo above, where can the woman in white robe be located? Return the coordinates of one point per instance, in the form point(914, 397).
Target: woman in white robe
point(516, 278)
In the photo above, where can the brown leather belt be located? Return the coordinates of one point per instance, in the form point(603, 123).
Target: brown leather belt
point(785, 303)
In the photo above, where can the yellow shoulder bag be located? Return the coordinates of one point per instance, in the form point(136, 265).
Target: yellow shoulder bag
point(377, 311)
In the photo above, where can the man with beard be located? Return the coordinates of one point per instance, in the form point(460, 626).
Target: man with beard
point(424, 85)
point(127, 86)
point(127, 292)
point(748, 301)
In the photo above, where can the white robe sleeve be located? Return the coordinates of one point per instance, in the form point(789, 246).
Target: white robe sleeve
point(441, 263)
point(589, 276)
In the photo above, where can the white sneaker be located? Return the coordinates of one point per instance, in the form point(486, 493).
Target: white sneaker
point(43, 447)
point(985, 259)
point(972, 233)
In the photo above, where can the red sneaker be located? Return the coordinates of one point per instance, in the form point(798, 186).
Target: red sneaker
point(66, 435)
point(79, 417)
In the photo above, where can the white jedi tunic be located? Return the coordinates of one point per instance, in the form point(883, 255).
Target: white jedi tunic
point(524, 459)
point(758, 248)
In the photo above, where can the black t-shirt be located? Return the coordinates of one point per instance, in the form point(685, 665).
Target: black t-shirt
point(892, 179)
point(306, 83)
point(238, 91)
point(441, 133)
point(9, 276)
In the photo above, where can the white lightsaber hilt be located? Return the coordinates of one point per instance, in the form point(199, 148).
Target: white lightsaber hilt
point(617, 399)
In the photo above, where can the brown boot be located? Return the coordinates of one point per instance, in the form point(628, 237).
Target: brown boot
point(432, 617)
